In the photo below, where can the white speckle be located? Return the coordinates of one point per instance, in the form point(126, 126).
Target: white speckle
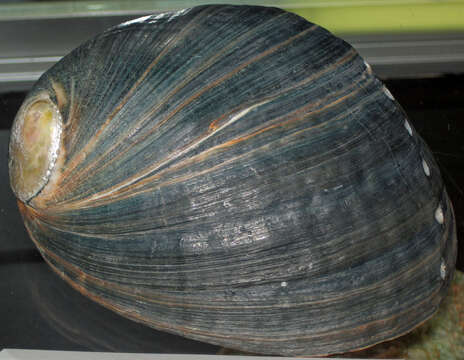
point(254, 171)
point(309, 181)
point(443, 269)
point(283, 284)
point(408, 127)
point(426, 167)
point(338, 187)
point(133, 132)
point(439, 215)
point(388, 93)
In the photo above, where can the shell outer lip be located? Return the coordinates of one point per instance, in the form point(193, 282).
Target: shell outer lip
point(17, 144)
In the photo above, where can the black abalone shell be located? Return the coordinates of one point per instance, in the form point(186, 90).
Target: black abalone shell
point(238, 175)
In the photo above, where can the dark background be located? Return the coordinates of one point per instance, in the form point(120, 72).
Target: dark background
point(40, 311)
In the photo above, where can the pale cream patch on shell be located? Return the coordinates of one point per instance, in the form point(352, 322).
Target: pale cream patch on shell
point(34, 146)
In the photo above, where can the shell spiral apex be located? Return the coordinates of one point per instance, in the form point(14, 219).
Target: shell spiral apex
point(235, 175)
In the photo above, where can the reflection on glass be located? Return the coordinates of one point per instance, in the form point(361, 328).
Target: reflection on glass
point(339, 16)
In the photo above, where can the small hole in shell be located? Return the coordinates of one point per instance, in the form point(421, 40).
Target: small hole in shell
point(408, 127)
point(388, 93)
point(426, 167)
point(368, 67)
point(439, 215)
point(443, 269)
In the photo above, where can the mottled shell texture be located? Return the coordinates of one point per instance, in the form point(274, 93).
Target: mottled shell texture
point(235, 175)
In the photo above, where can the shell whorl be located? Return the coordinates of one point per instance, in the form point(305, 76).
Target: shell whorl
point(34, 146)
point(238, 175)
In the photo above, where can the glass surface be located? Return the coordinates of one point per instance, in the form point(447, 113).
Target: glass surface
point(399, 38)
point(38, 310)
point(339, 16)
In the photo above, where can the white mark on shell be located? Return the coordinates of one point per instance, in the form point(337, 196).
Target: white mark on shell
point(283, 284)
point(439, 215)
point(388, 93)
point(408, 127)
point(135, 21)
point(443, 269)
point(178, 13)
point(426, 167)
point(195, 144)
point(335, 188)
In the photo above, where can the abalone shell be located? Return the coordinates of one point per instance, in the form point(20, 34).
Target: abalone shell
point(236, 175)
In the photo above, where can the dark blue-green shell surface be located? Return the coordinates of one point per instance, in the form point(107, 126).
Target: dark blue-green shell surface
point(239, 176)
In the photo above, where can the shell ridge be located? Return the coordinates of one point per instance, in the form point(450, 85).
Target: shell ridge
point(393, 157)
point(171, 41)
point(156, 324)
point(81, 204)
point(213, 124)
point(284, 43)
point(127, 289)
point(71, 120)
point(158, 165)
point(176, 155)
point(141, 268)
point(63, 275)
point(39, 215)
point(73, 162)
point(83, 172)
point(110, 192)
point(87, 59)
